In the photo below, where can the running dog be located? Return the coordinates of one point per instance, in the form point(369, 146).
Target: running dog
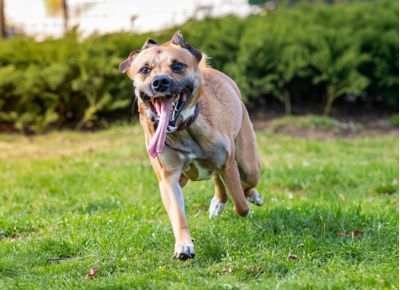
point(196, 127)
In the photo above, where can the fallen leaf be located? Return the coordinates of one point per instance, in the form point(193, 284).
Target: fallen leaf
point(15, 238)
point(357, 233)
point(351, 233)
point(292, 257)
point(92, 273)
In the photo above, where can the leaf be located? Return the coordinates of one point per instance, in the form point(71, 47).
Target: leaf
point(92, 273)
point(292, 257)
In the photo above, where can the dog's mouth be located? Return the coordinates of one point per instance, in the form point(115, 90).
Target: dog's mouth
point(179, 101)
point(166, 110)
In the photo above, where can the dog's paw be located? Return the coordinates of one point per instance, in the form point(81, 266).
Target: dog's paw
point(216, 207)
point(183, 253)
point(256, 198)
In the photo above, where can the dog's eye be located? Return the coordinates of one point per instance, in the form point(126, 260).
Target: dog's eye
point(177, 67)
point(145, 70)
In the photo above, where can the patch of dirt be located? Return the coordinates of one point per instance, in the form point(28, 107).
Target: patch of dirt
point(317, 127)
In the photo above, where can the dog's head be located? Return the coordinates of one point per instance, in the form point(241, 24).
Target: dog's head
point(165, 76)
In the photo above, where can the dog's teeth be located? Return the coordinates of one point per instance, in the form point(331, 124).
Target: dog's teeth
point(176, 107)
point(155, 106)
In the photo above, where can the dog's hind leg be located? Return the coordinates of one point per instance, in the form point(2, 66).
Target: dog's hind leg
point(246, 155)
point(231, 178)
point(253, 196)
point(220, 199)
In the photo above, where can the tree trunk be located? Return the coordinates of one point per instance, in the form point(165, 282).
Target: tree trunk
point(65, 15)
point(2, 20)
point(288, 103)
point(331, 96)
point(285, 99)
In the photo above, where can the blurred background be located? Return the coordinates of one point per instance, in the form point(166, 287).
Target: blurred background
point(336, 60)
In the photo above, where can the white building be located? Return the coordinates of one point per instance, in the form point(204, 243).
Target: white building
point(102, 16)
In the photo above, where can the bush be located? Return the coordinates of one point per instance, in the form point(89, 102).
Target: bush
point(347, 50)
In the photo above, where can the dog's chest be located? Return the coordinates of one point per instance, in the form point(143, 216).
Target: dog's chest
point(201, 165)
point(201, 157)
point(199, 169)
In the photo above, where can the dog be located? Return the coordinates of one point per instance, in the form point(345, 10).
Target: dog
point(196, 127)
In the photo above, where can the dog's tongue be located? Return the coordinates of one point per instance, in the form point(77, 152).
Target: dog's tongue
point(157, 143)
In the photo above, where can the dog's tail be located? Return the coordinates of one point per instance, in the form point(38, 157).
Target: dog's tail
point(204, 61)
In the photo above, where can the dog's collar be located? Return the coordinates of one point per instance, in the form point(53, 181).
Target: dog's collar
point(189, 121)
point(186, 123)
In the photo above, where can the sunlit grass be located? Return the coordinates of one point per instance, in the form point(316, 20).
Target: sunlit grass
point(93, 197)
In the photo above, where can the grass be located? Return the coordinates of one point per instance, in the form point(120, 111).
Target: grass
point(93, 197)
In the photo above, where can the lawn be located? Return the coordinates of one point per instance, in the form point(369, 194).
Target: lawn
point(330, 220)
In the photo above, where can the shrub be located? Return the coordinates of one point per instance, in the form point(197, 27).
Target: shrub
point(344, 49)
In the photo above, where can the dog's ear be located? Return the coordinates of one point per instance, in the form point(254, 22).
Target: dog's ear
point(149, 43)
point(124, 66)
point(178, 40)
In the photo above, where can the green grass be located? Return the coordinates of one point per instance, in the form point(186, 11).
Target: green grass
point(93, 197)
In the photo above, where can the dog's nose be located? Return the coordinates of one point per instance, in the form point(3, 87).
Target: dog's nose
point(160, 83)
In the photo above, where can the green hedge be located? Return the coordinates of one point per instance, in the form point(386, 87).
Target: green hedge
point(336, 51)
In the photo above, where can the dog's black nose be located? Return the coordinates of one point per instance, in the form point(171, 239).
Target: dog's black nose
point(160, 83)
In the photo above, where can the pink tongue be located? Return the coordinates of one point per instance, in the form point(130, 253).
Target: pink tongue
point(157, 143)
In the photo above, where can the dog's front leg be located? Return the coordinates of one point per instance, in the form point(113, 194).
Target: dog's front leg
point(172, 197)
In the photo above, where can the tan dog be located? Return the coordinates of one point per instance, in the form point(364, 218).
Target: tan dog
point(196, 127)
